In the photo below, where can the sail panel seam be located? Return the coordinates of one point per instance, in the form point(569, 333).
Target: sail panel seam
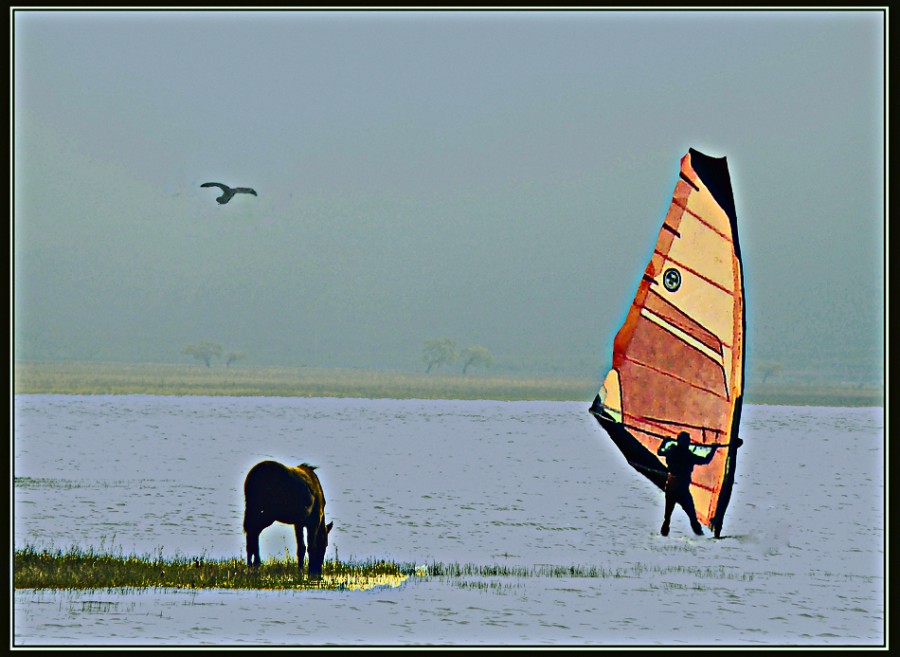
point(672, 376)
point(703, 221)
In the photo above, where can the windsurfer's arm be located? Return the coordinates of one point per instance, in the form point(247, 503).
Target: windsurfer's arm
point(703, 460)
point(665, 447)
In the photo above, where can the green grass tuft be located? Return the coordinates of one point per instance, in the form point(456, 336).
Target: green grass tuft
point(76, 568)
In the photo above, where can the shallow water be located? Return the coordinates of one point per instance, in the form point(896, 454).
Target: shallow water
point(801, 561)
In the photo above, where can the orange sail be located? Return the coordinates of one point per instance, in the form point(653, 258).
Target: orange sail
point(678, 360)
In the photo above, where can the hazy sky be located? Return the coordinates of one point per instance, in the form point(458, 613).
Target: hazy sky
point(495, 178)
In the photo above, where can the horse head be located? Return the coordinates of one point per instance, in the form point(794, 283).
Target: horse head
point(318, 542)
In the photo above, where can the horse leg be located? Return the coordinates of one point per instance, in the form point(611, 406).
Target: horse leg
point(253, 547)
point(301, 546)
point(254, 523)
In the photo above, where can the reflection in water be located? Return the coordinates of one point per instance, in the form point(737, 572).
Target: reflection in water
point(362, 583)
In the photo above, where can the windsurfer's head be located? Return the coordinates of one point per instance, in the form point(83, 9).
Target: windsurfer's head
point(684, 439)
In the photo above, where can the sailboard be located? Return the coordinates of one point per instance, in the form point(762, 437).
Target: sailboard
point(678, 360)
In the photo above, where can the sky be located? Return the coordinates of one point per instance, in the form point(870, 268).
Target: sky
point(497, 178)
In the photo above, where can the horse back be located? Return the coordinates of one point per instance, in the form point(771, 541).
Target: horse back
point(308, 473)
point(290, 495)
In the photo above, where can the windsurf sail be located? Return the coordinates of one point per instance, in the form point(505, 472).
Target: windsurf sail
point(678, 360)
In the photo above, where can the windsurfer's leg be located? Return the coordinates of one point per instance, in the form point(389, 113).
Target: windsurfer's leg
point(687, 503)
point(671, 498)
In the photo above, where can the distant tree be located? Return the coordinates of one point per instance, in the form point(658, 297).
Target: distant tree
point(439, 352)
point(232, 357)
point(475, 355)
point(204, 351)
point(769, 368)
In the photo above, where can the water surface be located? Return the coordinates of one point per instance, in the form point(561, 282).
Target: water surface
point(801, 561)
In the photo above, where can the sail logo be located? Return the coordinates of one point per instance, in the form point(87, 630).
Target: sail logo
point(672, 279)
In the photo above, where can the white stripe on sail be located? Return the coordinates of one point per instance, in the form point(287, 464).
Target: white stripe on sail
point(684, 337)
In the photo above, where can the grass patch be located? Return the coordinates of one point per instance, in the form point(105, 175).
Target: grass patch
point(87, 569)
point(638, 570)
point(241, 381)
point(75, 568)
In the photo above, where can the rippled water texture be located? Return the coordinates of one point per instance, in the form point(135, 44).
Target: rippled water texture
point(801, 560)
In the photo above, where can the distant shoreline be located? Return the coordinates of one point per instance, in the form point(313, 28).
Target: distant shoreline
point(84, 378)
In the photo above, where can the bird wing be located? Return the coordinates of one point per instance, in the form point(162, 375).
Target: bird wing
point(245, 190)
point(224, 188)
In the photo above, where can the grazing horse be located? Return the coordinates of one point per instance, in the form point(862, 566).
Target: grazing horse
point(277, 493)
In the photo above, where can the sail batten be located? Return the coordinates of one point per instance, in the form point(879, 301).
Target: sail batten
point(678, 361)
point(699, 218)
point(665, 373)
point(689, 181)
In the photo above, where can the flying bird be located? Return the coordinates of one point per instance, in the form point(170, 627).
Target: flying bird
point(228, 192)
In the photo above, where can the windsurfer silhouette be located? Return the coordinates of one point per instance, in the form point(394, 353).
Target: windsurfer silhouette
point(680, 461)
